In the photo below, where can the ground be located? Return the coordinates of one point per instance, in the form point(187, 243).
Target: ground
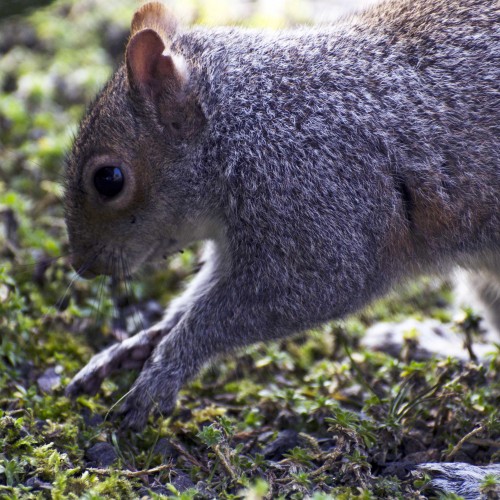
point(316, 416)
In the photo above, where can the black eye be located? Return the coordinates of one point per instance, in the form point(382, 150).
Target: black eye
point(109, 181)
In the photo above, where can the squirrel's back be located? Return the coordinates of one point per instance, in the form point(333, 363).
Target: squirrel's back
point(402, 102)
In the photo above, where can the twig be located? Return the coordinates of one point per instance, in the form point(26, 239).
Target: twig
point(225, 463)
point(311, 441)
point(459, 445)
point(130, 473)
point(271, 492)
point(331, 458)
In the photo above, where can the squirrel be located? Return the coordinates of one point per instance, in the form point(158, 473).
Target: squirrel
point(322, 166)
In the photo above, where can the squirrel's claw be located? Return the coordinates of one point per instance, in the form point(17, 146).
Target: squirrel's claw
point(155, 391)
point(89, 379)
point(133, 418)
point(136, 410)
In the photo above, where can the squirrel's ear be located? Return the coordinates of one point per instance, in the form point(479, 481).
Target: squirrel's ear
point(149, 66)
point(156, 16)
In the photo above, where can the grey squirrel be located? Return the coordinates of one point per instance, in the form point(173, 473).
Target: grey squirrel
point(322, 165)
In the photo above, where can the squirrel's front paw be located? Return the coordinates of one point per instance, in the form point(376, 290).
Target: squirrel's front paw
point(155, 391)
point(129, 354)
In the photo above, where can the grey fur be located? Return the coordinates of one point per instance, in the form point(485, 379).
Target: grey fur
point(330, 164)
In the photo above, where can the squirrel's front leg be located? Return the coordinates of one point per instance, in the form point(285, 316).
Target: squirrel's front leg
point(132, 353)
point(223, 320)
point(129, 354)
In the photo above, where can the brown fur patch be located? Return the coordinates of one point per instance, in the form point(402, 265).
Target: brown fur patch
point(155, 16)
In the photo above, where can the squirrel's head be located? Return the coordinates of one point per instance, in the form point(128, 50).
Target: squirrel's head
point(128, 197)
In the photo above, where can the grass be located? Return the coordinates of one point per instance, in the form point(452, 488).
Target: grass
point(316, 416)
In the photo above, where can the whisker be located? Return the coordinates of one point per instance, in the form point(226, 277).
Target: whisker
point(128, 290)
point(100, 290)
point(57, 306)
point(119, 319)
point(136, 313)
point(97, 305)
point(122, 278)
point(119, 331)
point(60, 301)
point(82, 269)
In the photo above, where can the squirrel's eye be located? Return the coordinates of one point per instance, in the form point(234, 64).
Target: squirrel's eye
point(109, 181)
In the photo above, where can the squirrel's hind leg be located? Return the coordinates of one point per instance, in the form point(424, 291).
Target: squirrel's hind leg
point(481, 290)
point(488, 291)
